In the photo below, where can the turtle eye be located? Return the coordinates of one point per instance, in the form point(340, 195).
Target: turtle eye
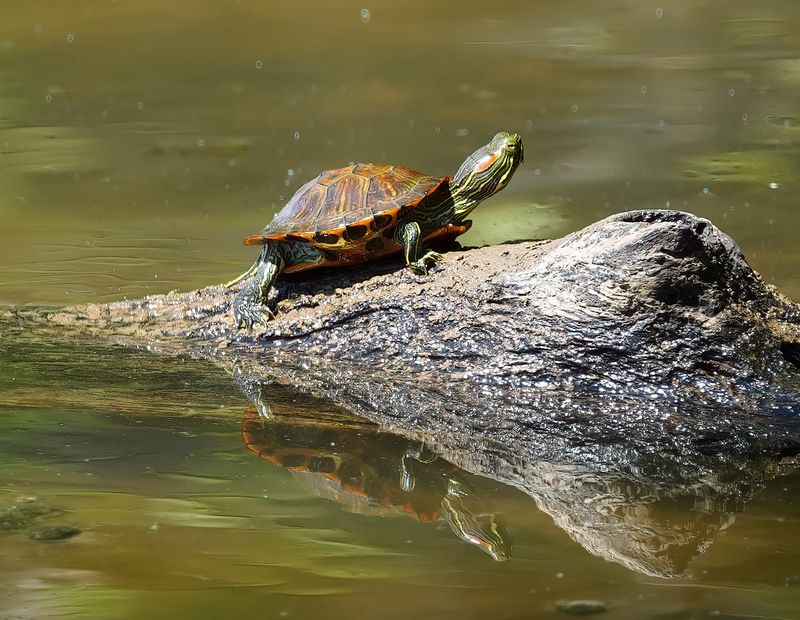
point(514, 147)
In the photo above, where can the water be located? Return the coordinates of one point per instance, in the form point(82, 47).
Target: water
point(140, 141)
point(189, 504)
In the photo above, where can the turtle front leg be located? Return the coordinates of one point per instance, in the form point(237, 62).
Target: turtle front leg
point(411, 236)
point(250, 305)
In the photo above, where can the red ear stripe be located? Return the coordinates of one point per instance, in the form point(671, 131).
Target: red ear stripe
point(486, 162)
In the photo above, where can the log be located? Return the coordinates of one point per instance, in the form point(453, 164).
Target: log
point(641, 303)
point(639, 360)
point(645, 329)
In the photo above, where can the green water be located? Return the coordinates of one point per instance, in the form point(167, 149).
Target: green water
point(180, 518)
point(139, 141)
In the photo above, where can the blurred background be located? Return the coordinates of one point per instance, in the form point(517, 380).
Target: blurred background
point(140, 141)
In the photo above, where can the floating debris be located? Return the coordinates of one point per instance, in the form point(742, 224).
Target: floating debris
point(23, 512)
point(581, 607)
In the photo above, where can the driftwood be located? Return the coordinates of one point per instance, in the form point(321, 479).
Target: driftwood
point(645, 329)
point(637, 360)
point(643, 304)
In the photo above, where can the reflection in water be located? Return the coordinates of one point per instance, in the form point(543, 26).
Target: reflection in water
point(145, 453)
point(648, 526)
point(653, 516)
point(373, 473)
point(651, 521)
point(141, 140)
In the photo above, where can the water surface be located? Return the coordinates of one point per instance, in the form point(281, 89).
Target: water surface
point(139, 141)
point(189, 504)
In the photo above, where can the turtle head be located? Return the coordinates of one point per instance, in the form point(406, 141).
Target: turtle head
point(485, 172)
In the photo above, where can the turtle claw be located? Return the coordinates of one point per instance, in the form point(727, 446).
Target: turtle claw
point(249, 314)
point(432, 257)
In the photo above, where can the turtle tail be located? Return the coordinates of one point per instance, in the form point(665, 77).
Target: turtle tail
point(245, 275)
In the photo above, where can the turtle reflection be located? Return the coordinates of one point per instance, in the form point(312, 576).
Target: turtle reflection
point(375, 473)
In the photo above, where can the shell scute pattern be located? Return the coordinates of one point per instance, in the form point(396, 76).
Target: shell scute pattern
point(348, 205)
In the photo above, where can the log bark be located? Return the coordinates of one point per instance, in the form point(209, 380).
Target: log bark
point(645, 329)
point(641, 303)
point(639, 360)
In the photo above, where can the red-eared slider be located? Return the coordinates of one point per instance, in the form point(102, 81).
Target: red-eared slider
point(364, 211)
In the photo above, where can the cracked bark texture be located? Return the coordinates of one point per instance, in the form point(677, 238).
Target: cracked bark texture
point(643, 336)
point(644, 303)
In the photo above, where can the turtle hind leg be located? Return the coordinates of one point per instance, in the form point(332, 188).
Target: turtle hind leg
point(250, 305)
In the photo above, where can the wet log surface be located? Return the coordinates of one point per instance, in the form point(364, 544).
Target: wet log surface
point(654, 306)
point(646, 332)
point(635, 362)
point(641, 304)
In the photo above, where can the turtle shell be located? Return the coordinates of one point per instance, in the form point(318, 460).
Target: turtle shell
point(351, 213)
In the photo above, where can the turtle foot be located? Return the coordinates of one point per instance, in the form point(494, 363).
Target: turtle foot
point(423, 264)
point(248, 313)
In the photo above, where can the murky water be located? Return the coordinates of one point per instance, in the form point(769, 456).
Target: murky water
point(139, 141)
point(190, 503)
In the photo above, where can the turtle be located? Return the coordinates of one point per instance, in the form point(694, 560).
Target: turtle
point(363, 212)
